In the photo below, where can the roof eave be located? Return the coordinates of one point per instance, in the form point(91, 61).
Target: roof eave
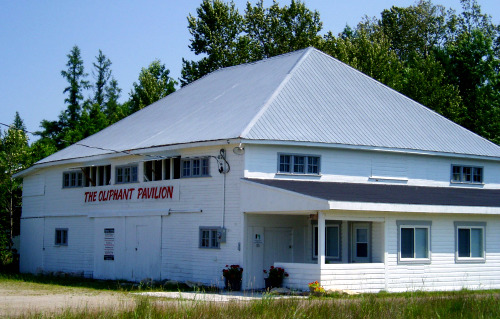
point(371, 148)
point(135, 152)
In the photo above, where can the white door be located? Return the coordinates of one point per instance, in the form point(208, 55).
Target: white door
point(143, 248)
point(361, 246)
point(277, 246)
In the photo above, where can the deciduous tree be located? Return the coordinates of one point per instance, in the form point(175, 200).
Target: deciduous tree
point(154, 84)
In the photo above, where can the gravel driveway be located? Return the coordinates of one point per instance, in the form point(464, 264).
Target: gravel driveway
point(21, 299)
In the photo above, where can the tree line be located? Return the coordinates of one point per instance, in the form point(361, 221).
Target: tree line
point(447, 61)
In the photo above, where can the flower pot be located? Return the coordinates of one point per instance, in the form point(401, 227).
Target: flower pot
point(273, 283)
point(232, 284)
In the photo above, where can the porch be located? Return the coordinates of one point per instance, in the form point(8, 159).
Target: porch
point(368, 277)
point(341, 251)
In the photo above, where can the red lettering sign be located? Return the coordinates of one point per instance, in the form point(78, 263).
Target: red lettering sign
point(155, 192)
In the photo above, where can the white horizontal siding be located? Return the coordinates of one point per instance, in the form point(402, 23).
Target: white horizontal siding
point(299, 275)
point(443, 273)
point(77, 255)
point(340, 165)
point(182, 259)
point(354, 277)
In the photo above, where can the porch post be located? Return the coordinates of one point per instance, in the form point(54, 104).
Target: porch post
point(321, 238)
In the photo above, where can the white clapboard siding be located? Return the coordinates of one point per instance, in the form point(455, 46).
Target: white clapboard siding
point(77, 256)
point(342, 165)
point(299, 274)
point(443, 273)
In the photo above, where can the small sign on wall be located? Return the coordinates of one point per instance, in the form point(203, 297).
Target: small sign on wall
point(258, 240)
point(109, 244)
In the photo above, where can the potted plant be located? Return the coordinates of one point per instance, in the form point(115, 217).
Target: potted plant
point(275, 276)
point(316, 289)
point(232, 277)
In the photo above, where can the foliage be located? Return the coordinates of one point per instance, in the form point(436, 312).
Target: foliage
point(75, 75)
point(154, 84)
point(102, 75)
point(233, 272)
point(277, 30)
point(366, 306)
point(472, 61)
point(315, 286)
point(445, 61)
point(15, 155)
point(277, 273)
point(225, 37)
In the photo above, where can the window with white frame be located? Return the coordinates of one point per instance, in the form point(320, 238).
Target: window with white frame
point(164, 169)
point(195, 167)
point(61, 237)
point(414, 238)
point(332, 241)
point(466, 174)
point(126, 174)
point(298, 164)
point(210, 237)
point(72, 179)
point(97, 175)
point(470, 241)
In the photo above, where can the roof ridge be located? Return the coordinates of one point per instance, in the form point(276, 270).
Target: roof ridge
point(278, 90)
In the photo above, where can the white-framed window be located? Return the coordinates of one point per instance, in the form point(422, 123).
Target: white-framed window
point(195, 167)
point(332, 241)
point(72, 179)
point(97, 175)
point(466, 174)
point(298, 164)
point(164, 169)
point(470, 242)
point(210, 237)
point(61, 237)
point(126, 174)
point(414, 241)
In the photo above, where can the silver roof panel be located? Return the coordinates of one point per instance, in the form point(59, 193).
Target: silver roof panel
point(304, 96)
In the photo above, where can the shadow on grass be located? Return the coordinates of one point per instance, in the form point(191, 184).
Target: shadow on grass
point(80, 282)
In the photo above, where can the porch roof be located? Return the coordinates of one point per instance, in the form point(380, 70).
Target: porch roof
point(388, 194)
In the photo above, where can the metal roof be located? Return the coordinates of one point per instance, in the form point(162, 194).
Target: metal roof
point(391, 194)
point(304, 96)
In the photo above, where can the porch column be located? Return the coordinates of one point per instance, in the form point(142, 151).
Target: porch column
point(321, 238)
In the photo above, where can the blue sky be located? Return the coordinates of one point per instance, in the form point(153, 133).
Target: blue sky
point(36, 36)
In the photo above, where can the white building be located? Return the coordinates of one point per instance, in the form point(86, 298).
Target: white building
point(246, 164)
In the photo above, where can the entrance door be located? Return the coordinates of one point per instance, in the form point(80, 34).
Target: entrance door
point(143, 247)
point(360, 243)
point(277, 246)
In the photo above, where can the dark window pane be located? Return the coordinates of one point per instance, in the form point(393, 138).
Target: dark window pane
point(299, 164)
point(316, 241)
point(312, 165)
point(467, 174)
point(157, 170)
point(478, 175)
point(407, 242)
point(361, 250)
point(464, 243)
point(456, 173)
point(177, 167)
point(332, 241)
point(285, 163)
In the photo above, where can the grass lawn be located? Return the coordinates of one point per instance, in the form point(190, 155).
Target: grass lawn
point(459, 304)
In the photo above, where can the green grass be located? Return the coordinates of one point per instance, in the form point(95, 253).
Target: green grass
point(457, 304)
point(460, 306)
point(79, 282)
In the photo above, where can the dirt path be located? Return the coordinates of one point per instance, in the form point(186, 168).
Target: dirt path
point(22, 299)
